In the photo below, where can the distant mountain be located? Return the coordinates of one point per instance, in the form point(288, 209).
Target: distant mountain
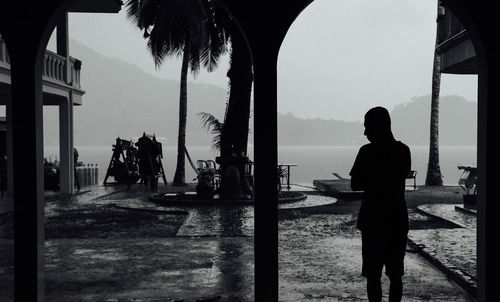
point(457, 121)
point(123, 101)
point(410, 124)
point(295, 131)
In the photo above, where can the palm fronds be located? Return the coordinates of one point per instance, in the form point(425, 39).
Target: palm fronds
point(176, 27)
point(212, 124)
point(142, 12)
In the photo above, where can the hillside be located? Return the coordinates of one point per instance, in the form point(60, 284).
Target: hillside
point(123, 101)
point(295, 131)
point(410, 124)
point(457, 121)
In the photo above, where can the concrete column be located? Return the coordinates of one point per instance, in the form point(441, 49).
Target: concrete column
point(28, 191)
point(66, 146)
point(266, 159)
point(63, 45)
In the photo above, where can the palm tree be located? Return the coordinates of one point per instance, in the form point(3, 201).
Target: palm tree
point(181, 27)
point(434, 177)
point(235, 138)
point(212, 124)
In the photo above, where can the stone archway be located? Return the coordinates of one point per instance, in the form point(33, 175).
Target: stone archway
point(276, 17)
point(265, 72)
point(359, 35)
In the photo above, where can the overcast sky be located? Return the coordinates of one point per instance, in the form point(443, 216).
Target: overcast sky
point(339, 58)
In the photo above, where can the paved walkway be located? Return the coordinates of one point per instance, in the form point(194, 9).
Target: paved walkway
point(80, 197)
point(320, 260)
point(453, 250)
point(451, 247)
point(211, 257)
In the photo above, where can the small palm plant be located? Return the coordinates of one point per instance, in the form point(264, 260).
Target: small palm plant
point(214, 126)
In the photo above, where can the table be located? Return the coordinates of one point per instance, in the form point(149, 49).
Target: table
point(280, 166)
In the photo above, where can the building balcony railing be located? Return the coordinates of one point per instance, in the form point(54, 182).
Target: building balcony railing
point(56, 69)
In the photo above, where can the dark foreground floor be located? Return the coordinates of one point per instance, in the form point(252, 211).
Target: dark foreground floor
point(142, 252)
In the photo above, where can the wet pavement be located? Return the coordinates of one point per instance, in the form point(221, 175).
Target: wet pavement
point(451, 250)
point(320, 260)
point(150, 269)
point(210, 256)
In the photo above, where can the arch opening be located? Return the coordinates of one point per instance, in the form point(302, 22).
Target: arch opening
point(127, 98)
point(337, 61)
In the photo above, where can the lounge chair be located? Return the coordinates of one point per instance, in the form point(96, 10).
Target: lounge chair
point(413, 175)
point(468, 178)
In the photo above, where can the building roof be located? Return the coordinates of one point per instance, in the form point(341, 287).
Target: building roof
point(454, 45)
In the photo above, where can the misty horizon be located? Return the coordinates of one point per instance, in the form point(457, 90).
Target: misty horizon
point(324, 70)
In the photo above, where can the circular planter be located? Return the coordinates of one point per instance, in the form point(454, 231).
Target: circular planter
point(193, 199)
point(286, 197)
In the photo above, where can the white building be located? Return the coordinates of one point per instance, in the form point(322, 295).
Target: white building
point(61, 87)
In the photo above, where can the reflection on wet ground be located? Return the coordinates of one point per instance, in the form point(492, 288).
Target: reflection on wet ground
point(95, 195)
point(209, 253)
point(223, 221)
point(218, 220)
point(149, 269)
point(320, 260)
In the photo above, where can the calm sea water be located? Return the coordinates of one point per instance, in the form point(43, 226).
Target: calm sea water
point(314, 162)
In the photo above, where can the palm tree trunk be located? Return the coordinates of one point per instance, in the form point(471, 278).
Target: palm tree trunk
point(236, 123)
point(234, 138)
point(180, 170)
point(434, 177)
